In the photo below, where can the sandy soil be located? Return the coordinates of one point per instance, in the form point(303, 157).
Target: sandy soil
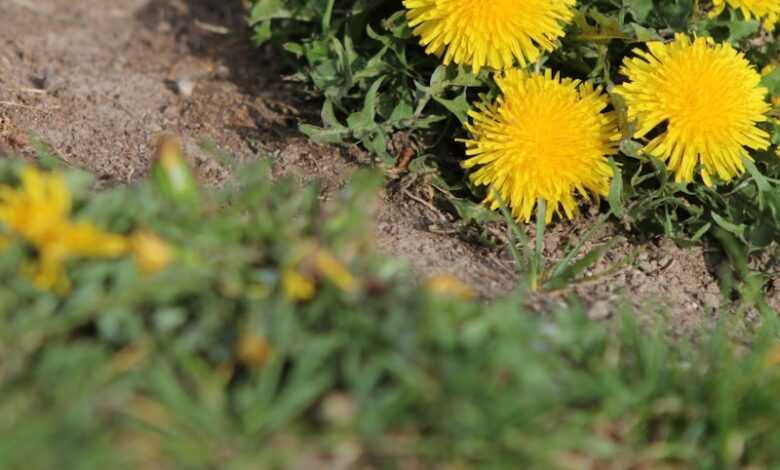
point(97, 79)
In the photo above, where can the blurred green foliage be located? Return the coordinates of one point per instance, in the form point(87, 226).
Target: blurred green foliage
point(210, 364)
point(213, 363)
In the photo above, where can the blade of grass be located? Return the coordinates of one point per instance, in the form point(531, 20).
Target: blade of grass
point(328, 15)
point(519, 236)
point(616, 190)
point(569, 274)
point(536, 264)
point(564, 263)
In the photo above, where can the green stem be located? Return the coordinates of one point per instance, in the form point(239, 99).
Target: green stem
point(536, 264)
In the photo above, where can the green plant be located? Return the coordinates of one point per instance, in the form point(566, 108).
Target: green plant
point(380, 88)
point(211, 363)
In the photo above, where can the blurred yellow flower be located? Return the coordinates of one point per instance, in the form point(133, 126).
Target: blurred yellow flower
point(709, 98)
point(769, 10)
point(296, 286)
point(81, 240)
point(492, 33)
point(543, 138)
point(171, 172)
point(449, 286)
point(253, 350)
point(39, 212)
point(43, 201)
point(152, 253)
point(331, 268)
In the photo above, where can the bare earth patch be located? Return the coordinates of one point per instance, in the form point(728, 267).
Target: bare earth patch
point(98, 79)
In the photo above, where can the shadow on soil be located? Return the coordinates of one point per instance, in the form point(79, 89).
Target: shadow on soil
point(218, 30)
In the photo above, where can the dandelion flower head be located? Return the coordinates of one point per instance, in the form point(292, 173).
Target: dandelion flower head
point(769, 10)
point(152, 253)
point(543, 138)
point(708, 97)
point(39, 212)
point(492, 33)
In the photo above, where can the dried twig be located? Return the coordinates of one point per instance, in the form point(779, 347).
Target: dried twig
point(426, 204)
point(404, 159)
point(31, 5)
point(21, 105)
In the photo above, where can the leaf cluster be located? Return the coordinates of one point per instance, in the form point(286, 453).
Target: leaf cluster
point(379, 88)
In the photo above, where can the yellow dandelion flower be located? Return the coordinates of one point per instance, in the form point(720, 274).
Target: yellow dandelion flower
point(81, 240)
point(39, 211)
point(43, 201)
point(709, 97)
point(296, 286)
point(254, 350)
point(492, 33)
point(448, 285)
point(333, 269)
point(152, 253)
point(769, 10)
point(544, 138)
point(87, 240)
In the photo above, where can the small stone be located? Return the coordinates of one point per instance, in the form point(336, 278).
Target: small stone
point(183, 86)
point(222, 72)
point(599, 310)
point(646, 266)
point(710, 300)
point(339, 409)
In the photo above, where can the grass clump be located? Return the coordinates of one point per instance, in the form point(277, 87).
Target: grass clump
point(218, 359)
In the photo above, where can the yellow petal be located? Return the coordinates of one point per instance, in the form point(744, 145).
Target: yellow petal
point(543, 138)
point(152, 253)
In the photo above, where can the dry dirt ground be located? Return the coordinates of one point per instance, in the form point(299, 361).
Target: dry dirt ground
point(97, 79)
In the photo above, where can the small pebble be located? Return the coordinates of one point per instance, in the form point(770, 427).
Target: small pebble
point(222, 72)
point(184, 87)
point(600, 310)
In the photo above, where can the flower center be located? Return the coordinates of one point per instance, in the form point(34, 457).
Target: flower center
point(551, 130)
point(702, 94)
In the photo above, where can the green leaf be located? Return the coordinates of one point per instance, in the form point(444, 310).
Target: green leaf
point(377, 144)
point(567, 273)
point(471, 211)
point(334, 132)
point(616, 189)
point(403, 110)
point(323, 135)
point(761, 181)
point(172, 173)
point(645, 34)
point(772, 82)
point(329, 117)
point(736, 229)
point(363, 120)
point(458, 106)
point(740, 29)
point(639, 9)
